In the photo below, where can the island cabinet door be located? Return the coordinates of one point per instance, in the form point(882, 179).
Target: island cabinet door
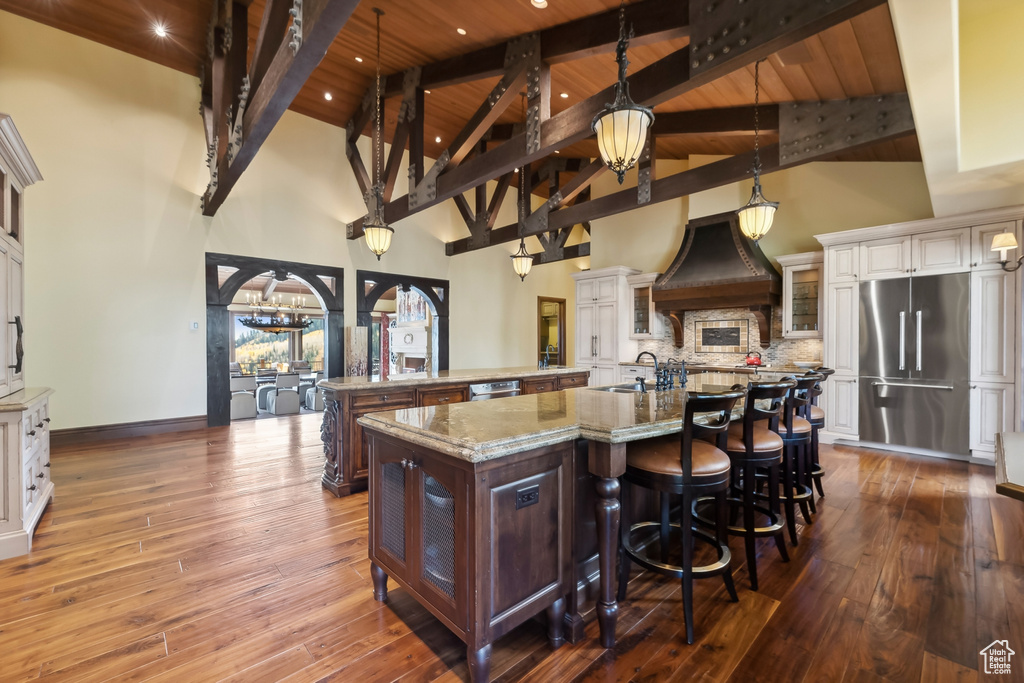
point(524, 535)
point(390, 505)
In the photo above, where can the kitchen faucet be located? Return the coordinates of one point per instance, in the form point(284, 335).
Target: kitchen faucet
point(662, 377)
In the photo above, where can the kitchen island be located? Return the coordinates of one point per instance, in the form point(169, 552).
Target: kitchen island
point(346, 399)
point(486, 512)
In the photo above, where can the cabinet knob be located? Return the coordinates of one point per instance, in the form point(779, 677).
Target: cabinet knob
point(40, 475)
point(46, 420)
point(32, 433)
point(47, 464)
point(384, 397)
point(444, 399)
point(40, 425)
point(32, 487)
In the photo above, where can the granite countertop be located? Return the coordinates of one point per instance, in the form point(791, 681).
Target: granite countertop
point(745, 369)
point(1010, 464)
point(22, 399)
point(447, 377)
point(483, 430)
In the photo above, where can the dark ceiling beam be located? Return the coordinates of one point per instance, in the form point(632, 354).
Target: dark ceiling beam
point(652, 20)
point(273, 27)
point(562, 254)
point(725, 120)
point(764, 34)
point(321, 21)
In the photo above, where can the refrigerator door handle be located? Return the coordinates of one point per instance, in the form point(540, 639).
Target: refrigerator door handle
point(903, 340)
point(944, 387)
point(919, 341)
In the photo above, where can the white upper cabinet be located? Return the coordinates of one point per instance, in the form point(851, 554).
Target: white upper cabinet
point(982, 256)
point(885, 258)
point(945, 251)
point(842, 263)
point(993, 322)
point(802, 292)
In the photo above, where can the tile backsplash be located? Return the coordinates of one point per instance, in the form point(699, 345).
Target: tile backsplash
point(781, 352)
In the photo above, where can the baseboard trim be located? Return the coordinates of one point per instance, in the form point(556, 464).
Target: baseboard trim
point(80, 435)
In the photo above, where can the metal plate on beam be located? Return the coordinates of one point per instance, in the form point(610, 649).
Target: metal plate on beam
point(812, 129)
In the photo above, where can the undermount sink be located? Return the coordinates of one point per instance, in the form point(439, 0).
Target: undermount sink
point(620, 389)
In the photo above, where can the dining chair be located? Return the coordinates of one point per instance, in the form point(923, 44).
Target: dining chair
point(283, 399)
point(243, 397)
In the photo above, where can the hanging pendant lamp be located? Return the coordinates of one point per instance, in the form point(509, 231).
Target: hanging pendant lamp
point(378, 233)
point(522, 262)
point(756, 217)
point(622, 126)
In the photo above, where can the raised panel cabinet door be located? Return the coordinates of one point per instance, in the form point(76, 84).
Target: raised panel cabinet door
point(390, 503)
point(15, 310)
point(607, 337)
point(586, 291)
point(440, 536)
point(945, 251)
point(992, 410)
point(6, 352)
point(603, 375)
point(606, 288)
point(586, 334)
point(840, 405)
point(993, 322)
point(885, 258)
point(842, 263)
point(842, 328)
point(982, 256)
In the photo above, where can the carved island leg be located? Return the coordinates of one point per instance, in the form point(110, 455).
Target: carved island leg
point(479, 663)
point(330, 434)
point(607, 463)
point(380, 583)
point(556, 623)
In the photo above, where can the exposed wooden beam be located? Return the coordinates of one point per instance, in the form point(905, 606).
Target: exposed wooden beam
point(269, 288)
point(562, 254)
point(291, 66)
point(273, 28)
point(725, 120)
point(663, 80)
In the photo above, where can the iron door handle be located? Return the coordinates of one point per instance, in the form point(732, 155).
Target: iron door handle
point(40, 475)
point(912, 386)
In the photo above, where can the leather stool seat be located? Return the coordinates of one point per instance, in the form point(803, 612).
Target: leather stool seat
point(661, 456)
point(801, 426)
point(765, 440)
point(817, 414)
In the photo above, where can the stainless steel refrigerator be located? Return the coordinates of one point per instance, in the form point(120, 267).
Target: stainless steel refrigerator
point(914, 365)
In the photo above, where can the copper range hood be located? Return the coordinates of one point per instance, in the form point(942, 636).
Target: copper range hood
point(718, 267)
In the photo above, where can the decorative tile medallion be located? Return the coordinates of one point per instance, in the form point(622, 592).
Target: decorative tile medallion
point(720, 336)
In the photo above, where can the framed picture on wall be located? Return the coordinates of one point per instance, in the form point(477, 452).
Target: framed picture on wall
point(720, 336)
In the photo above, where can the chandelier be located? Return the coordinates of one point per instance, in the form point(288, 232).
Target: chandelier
point(756, 217)
point(378, 233)
point(622, 126)
point(275, 317)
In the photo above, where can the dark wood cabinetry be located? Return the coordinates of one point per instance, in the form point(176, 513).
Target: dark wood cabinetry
point(539, 386)
point(483, 546)
point(443, 396)
point(573, 381)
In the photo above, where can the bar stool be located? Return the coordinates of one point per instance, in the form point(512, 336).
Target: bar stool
point(795, 431)
point(817, 420)
point(754, 448)
point(682, 465)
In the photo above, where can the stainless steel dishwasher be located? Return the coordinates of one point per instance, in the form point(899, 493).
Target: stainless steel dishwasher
point(480, 392)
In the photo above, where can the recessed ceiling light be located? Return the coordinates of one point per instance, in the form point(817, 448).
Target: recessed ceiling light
point(564, 95)
point(328, 96)
point(558, 151)
point(461, 31)
point(427, 92)
point(437, 139)
point(539, 4)
point(359, 59)
point(160, 30)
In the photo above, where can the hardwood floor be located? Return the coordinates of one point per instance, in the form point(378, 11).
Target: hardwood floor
point(215, 555)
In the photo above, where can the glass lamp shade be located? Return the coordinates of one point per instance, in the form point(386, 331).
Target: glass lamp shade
point(756, 217)
point(1004, 242)
point(522, 262)
point(621, 134)
point(378, 237)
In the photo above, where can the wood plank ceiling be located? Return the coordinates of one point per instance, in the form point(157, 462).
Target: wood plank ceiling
point(855, 58)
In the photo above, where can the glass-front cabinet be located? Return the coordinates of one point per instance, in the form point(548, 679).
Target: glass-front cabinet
point(643, 321)
point(801, 295)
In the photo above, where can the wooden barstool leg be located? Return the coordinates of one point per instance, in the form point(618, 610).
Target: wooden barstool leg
point(816, 476)
point(801, 481)
point(665, 502)
point(748, 522)
point(722, 536)
point(787, 485)
point(773, 505)
point(687, 563)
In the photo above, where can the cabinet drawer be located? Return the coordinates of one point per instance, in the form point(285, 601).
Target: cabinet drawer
point(539, 386)
point(444, 396)
point(570, 381)
point(384, 400)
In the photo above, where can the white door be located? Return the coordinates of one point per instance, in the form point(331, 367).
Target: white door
point(991, 412)
point(982, 256)
point(840, 404)
point(586, 340)
point(885, 258)
point(606, 331)
point(586, 291)
point(993, 321)
point(606, 288)
point(945, 251)
point(842, 327)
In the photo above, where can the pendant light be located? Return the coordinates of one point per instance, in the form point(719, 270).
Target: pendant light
point(522, 262)
point(756, 217)
point(378, 233)
point(621, 128)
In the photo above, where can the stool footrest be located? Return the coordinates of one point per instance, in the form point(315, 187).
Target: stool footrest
point(714, 569)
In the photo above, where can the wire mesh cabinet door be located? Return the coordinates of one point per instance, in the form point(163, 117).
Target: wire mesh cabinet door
point(390, 505)
point(442, 547)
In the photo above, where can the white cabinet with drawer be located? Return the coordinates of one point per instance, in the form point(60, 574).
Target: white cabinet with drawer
point(25, 435)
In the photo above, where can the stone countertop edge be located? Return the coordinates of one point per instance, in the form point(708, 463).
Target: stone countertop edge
point(450, 377)
point(23, 398)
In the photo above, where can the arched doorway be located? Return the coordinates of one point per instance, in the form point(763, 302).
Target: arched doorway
point(219, 296)
point(372, 286)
